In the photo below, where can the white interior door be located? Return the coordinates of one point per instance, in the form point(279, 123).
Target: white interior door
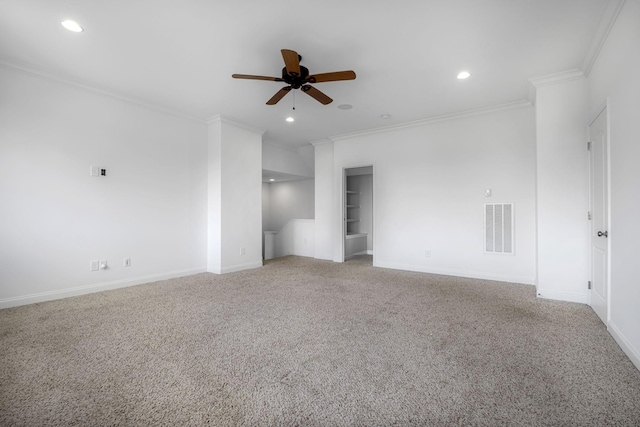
point(599, 216)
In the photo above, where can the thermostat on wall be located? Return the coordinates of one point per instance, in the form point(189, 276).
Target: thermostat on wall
point(97, 171)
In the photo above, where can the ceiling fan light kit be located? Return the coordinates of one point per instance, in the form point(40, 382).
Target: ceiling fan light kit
point(298, 77)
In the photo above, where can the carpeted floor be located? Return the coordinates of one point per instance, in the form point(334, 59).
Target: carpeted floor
point(302, 342)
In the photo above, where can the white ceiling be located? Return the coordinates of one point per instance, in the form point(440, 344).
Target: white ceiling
point(406, 53)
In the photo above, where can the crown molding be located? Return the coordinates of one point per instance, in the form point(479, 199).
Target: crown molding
point(561, 77)
point(321, 142)
point(219, 119)
point(436, 119)
point(607, 22)
point(33, 71)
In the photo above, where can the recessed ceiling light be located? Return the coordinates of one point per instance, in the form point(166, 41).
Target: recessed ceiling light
point(290, 119)
point(72, 26)
point(385, 116)
point(464, 75)
point(271, 179)
point(345, 106)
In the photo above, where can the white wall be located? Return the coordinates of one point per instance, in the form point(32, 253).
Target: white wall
point(324, 199)
point(307, 154)
point(296, 238)
point(235, 179)
point(289, 208)
point(290, 213)
point(429, 186)
point(562, 189)
point(290, 200)
point(287, 200)
point(214, 194)
point(55, 218)
point(610, 79)
point(266, 205)
point(289, 161)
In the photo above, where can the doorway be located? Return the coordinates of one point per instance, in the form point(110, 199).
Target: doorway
point(358, 230)
point(599, 200)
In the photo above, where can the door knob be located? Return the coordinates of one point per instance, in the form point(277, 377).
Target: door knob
point(605, 234)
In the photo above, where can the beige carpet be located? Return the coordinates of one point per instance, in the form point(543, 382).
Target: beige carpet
point(313, 343)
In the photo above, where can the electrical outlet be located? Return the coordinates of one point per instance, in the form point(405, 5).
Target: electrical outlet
point(427, 253)
point(242, 251)
point(127, 262)
point(94, 265)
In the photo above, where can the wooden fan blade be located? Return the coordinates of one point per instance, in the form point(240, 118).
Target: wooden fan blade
point(291, 61)
point(279, 95)
point(332, 77)
point(316, 94)
point(248, 76)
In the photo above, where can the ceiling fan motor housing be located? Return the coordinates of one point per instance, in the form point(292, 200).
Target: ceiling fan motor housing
point(294, 80)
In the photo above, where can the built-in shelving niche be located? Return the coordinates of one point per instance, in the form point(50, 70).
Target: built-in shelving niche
point(358, 212)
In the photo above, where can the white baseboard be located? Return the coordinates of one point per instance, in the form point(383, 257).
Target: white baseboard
point(303, 253)
point(625, 345)
point(562, 296)
point(238, 267)
point(459, 273)
point(97, 287)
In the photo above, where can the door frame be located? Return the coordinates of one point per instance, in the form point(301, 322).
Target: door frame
point(604, 107)
point(343, 209)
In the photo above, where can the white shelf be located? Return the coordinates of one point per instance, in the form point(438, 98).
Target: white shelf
point(356, 235)
point(352, 203)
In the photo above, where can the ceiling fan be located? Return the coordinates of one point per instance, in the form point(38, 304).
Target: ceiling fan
point(298, 77)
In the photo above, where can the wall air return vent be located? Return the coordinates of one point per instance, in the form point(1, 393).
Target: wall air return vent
point(498, 228)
